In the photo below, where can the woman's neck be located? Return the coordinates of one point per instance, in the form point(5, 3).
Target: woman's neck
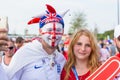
point(81, 67)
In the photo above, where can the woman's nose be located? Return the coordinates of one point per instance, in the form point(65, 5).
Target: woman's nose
point(82, 47)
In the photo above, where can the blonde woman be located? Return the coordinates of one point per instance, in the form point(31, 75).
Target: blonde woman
point(82, 56)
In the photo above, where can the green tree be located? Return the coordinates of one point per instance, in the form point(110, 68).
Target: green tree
point(105, 34)
point(78, 21)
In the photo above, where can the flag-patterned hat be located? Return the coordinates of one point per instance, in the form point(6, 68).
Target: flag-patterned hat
point(50, 16)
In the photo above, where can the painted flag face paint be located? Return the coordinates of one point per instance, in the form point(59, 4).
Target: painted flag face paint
point(52, 33)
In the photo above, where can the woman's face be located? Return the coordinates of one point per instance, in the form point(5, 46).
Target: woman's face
point(82, 48)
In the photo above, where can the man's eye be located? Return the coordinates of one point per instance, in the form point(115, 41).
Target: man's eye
point(49, 29)
point(58, 30)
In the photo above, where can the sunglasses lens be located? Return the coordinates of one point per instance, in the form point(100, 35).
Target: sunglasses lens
point(11, 48)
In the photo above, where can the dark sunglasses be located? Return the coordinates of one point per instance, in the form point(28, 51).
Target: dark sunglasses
point(11, 47)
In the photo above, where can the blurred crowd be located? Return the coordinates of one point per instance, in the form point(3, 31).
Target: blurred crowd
point(56, 56)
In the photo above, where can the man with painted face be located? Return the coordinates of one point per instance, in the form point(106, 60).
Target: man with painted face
point(40, 60)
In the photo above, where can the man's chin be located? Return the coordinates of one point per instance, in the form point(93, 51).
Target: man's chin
point(53, 47)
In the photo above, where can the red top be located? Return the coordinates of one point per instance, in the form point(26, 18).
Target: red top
point(118, 55)
point(72, 76)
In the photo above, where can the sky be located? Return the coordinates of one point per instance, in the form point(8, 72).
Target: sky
point(99, 13)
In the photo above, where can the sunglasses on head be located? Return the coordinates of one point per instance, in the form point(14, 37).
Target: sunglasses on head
point(11, 47)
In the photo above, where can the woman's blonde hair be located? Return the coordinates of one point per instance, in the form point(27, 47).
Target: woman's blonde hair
point(93, 58)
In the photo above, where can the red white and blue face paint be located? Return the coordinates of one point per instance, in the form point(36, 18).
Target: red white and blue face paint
point(51, 25)
point(52, 33)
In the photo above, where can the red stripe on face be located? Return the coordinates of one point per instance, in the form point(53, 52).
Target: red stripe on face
point(54, 31)
point(51, 33)
point(54, 34)
point(54, 27)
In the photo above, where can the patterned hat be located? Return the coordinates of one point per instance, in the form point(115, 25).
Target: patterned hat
point(50, 16)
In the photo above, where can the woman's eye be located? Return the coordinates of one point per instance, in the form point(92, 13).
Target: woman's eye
point(79, 43)
point(88, 45)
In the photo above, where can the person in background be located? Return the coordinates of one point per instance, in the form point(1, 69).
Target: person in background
point(100, 41)
point(40, 59)
point(82, 56)
point(117, 39)
point(117, 43)
point(104, 53)
point(6, 58)
point(19, 42)
point(112, 48)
